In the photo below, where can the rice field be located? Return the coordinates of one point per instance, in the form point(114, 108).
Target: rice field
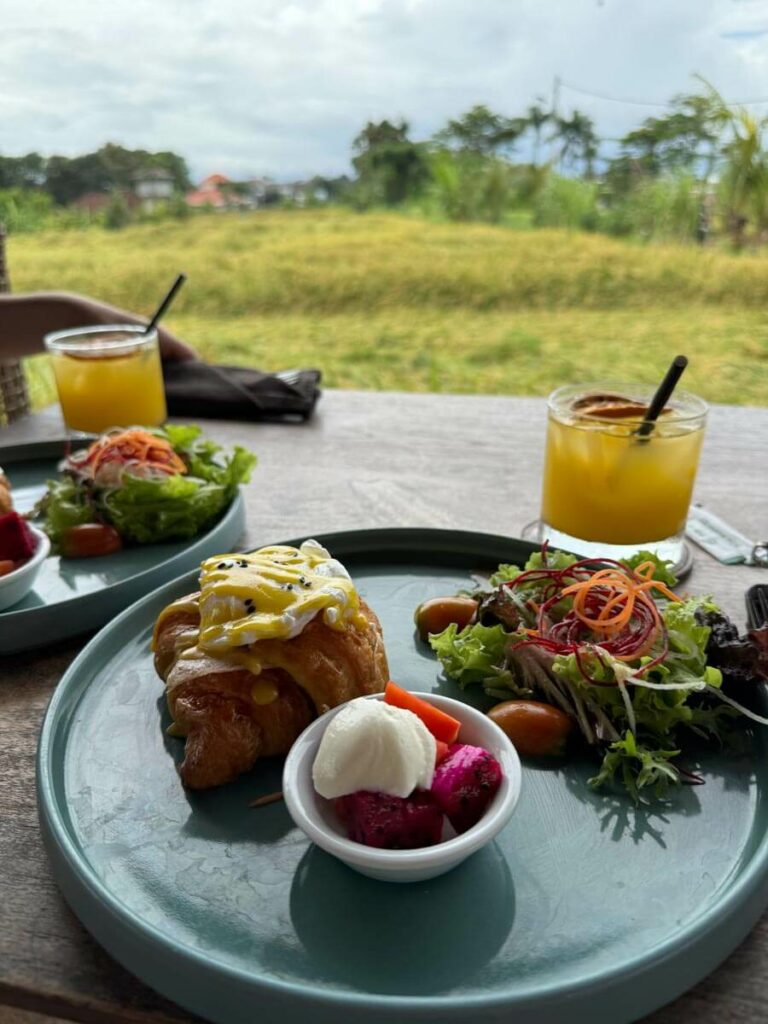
point(388, 301)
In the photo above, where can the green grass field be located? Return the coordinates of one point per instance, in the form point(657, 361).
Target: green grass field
point(387, 301)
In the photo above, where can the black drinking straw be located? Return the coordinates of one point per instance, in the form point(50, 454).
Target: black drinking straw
point(662, 396)
point(165, 303)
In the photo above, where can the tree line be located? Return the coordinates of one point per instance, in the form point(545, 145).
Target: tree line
point(700, 165)
point(107, 169)
point(698, 169)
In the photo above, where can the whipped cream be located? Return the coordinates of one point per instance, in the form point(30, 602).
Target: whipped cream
point(375, 746)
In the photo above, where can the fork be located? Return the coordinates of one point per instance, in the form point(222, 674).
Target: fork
point(757, 605)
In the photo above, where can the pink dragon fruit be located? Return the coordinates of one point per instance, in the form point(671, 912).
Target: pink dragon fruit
point(464, 784)
point(391, 822)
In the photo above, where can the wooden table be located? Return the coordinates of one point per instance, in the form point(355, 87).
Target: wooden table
point(366, 460)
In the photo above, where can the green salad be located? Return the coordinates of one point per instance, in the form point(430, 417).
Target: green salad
point(146, 485)
point(640, 671)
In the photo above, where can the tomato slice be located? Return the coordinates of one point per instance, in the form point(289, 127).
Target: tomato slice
point(89, 541)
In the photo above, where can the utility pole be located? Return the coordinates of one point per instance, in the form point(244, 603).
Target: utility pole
point(556, 83)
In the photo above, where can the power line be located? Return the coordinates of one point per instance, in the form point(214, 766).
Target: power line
point(647, 103)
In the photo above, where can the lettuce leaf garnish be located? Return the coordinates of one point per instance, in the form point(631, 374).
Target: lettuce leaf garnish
point(473, 654)
point(663, 571)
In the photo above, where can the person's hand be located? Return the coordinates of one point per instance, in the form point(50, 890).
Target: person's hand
point(173, 349)
point(25, 319)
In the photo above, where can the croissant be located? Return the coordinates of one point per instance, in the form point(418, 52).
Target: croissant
point(241, 703)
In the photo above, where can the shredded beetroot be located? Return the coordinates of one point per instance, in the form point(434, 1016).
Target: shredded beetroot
point(586, 628)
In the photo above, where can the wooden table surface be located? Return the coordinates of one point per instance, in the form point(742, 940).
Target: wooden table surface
point(366, 460)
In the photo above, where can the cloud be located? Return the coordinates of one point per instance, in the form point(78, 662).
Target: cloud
point(282, 86)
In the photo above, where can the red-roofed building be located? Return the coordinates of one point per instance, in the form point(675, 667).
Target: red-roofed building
point(209, 193)
point(215, 180)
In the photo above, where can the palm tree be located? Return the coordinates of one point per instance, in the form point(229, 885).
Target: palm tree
point(536, 117)
point(745, 170)
point(589, 154)
point(578, 140)
point(745, 175)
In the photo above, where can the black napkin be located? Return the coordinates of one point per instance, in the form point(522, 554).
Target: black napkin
point(194, 389)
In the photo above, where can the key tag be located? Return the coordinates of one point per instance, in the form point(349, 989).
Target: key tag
point(723, 541)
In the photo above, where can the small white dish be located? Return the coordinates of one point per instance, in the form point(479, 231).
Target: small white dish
point(17, 584)
point(317, 818)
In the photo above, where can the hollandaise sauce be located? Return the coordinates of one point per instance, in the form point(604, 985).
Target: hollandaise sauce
point(269, 594)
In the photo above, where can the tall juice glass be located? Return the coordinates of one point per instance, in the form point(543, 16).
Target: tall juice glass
point(108, 377)
point(608, 490)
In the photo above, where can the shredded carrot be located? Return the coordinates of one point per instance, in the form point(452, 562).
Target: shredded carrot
point(626, 592)
point(137, 446)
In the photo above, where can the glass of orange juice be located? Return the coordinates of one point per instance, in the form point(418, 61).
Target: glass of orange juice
point(108, 377)
point(609, 490)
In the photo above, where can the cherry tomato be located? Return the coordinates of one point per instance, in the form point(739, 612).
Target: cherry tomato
point(89, 541)
point(433, 616)
point(536, 729)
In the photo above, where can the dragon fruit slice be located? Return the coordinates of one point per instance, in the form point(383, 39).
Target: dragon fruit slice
point(17, 542)
point(391, 822)
point(464, 784)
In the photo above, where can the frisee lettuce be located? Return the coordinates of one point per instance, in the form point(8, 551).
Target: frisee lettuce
point(637, 768)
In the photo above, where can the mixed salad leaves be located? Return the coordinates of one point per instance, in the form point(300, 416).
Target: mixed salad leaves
point(147, 485)
point(638, 669)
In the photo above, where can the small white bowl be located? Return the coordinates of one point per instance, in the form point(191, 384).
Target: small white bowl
point(17, 584)
point(317, 818)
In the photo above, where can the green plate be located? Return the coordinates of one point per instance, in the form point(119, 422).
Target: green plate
point(73, 595)
point(584, 908)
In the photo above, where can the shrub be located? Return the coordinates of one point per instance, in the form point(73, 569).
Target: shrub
point(116, 214)
point(662, 208)
point(469, 186)
point(24, 209)
point(567, 203)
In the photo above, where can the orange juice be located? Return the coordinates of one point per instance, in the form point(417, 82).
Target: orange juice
point(108, 377)
point(603, 483)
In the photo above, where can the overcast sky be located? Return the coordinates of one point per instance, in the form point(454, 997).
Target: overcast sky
point(280, 87)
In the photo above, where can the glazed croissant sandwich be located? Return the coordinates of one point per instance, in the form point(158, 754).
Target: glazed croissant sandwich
point(271, 640)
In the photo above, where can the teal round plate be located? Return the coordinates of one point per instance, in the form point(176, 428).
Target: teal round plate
point(73, 595)
point(584, 908)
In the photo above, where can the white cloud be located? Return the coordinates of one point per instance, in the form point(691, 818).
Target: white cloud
point(276, 87)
